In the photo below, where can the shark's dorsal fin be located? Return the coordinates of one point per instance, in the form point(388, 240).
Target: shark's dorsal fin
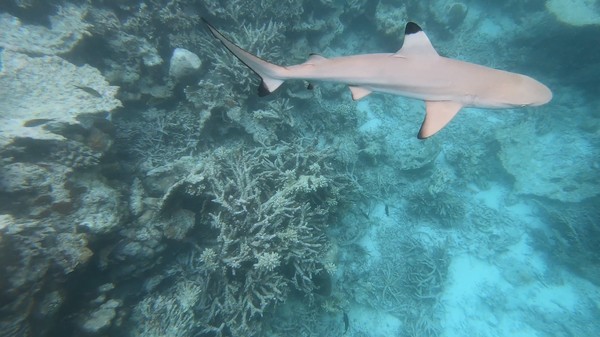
point(315, 59)
point(416, 42)
point(438, 114)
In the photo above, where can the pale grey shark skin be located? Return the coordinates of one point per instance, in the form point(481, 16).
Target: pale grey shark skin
point(415, 71)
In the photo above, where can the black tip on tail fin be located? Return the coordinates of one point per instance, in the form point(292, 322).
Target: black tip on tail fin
point(271, 74)
point(208, 25)
point(263, 90)
point(412, 28)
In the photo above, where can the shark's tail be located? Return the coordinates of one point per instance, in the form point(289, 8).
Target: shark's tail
point(272, 75)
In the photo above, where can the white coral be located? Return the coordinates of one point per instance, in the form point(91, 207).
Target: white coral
point(267, 261)
point(67, 29)
point(47, 88)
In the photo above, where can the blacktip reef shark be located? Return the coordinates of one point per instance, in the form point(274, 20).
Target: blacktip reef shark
point(415, 71)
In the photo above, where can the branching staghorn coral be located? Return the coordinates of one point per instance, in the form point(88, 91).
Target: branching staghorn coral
point(408, 281)
point(436, 202)
point(261, 10)
point(170, 313)
point(574, 234)
point(261, 215)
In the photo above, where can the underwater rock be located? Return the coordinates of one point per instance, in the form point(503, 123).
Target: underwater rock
point(183, 63)
point(103, 209)
point(21, 177)
point(50, 304)
point(456, 14)
point(67, 28)
point(575, 12)
point(46, 88)
point(101, 318)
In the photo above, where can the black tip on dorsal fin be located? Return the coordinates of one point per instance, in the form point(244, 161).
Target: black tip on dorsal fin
point(412, 28)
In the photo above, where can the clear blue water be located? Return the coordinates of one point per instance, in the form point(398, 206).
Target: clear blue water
point(201, 209)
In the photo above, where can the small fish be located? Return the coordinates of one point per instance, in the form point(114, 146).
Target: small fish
point(387, 210)
point(89, 90)
point(346, 322)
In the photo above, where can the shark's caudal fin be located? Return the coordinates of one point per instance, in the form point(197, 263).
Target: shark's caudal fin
point(271, 74)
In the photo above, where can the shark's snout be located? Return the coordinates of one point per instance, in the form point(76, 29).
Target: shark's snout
point(533, 92)
point(544, 94)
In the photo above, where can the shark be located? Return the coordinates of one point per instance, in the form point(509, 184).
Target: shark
point(415, 71)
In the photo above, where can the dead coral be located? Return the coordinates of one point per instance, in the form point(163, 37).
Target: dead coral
point(409, 280)
point(67, 29)
point(573, 236)
point(45, 93)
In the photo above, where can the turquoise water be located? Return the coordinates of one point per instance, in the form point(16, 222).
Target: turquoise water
point(146, 191)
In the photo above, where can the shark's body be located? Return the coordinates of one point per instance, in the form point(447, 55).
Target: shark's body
point(415, 71)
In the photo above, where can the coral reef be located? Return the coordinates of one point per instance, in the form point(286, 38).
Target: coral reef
point(408, 280)
point(202, 210)
point(48, 93)
point(67, 28)
point(473, 162)
point(261, 215)
point(390, 18)
point(574, 236)
point(170, 313)
point(568, 181)
point(443, 207)
point(436, 201)
point(53, 133)
point(489, 231)
point(415, 154)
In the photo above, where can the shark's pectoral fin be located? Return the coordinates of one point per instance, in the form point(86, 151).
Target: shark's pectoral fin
point(359, 92)
point(438, 114)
